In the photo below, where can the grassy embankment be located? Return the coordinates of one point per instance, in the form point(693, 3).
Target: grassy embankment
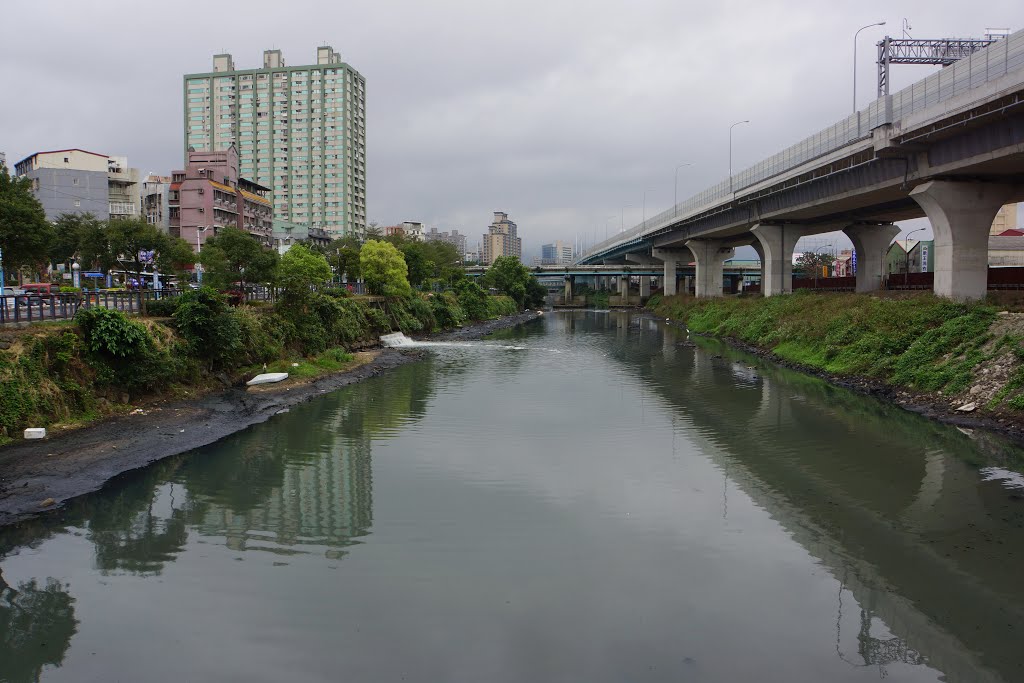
point(952, 352)
point(74, 372)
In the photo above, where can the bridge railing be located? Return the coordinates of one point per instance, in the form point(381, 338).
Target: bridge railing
point(983, 66)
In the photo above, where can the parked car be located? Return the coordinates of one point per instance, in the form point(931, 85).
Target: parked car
point(36, 293)
point(43, 290)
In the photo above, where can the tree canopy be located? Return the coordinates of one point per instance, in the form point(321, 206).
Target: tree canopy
point(233, 255)
point(300, 270)
point(511, 277)
point(384, 269)
point(25, 234)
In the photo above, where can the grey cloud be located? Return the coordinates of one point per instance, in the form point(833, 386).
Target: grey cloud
point(559, 112)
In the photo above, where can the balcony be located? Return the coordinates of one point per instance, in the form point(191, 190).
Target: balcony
point(122, 209)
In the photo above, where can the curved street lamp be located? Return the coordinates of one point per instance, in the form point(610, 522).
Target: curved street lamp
point(877, 23)
point(730, 151)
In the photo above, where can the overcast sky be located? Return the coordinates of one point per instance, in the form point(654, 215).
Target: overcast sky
point(564, 114)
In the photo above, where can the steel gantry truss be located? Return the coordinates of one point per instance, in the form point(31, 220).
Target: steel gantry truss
point(941, 52)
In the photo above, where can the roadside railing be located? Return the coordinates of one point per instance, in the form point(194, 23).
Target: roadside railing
point(32, 308)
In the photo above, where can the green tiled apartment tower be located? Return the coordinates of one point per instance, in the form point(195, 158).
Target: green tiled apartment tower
point(299, 130)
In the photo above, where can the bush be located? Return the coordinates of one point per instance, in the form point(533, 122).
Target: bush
point(473, 299)
point(209, 329)
point(448, 312)
point(162, 308)
point(498, 306)
point(260, 336)
point(122, 351)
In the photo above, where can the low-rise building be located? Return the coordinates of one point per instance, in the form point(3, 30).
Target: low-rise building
point(287, 234)
point(555, 254)
point(80, 181)
point(209, 195)
point(155, 197)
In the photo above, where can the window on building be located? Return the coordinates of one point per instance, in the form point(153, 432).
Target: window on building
point(78, 203)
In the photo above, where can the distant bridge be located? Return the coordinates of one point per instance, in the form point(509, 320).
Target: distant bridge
point(949, 147)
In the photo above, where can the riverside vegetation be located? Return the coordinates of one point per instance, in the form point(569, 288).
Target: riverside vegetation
point(947, 352)
point(76, 371)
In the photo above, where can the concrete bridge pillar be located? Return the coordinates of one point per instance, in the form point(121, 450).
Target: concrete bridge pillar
point(671, 259)
point(778, 242)
point(645, 286)
point(624, 288)
point(961, 213)
point(872, 243)
point(756, 244)
point(710, 256)
point(568, 288)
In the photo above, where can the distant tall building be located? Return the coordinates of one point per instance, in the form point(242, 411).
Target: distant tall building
point(1006, 219)
point(209, 195)
point(556, 253)
point(300, 131)
point(501, 240)
point(3, 159)
point(79, 181)
point(453, 238)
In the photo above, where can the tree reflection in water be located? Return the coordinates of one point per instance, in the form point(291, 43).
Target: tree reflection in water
point(36, 625)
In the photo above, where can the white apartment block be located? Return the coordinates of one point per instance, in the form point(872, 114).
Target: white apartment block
point(299, 130)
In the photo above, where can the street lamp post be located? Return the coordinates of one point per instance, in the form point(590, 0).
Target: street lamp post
point(877, 23)
point(644, 211)
point(622, 213)
point(816, 267)
point(730, 151)
point(199, 250)
point(675, 189)
point(610, 218)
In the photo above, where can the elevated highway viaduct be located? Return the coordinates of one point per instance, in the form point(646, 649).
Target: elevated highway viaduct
point(949, 147)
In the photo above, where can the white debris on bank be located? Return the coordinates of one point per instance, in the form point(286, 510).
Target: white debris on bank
point(1009, 478)
point(267, 378)
point(35, 433)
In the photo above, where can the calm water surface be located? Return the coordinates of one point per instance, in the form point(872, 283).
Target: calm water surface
point(608, 503)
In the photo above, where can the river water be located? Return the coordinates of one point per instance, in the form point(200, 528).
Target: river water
point(589, 497)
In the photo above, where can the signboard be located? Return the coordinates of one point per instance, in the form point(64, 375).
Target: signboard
point(145, 256)
point(853, 261)
point(91, 273)
point(924, 258)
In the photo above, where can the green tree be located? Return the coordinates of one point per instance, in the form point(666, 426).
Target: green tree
point(418, 262)
point(25, 234)
point(343, 255)
point(300, 271)
point(511, 277)
point(94, 250)
point(67, 236)
point(384, 269)
point(811, 263)
point(234, 255)
point(174, 255)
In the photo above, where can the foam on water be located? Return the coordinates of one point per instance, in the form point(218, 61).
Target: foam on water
point(398, 340)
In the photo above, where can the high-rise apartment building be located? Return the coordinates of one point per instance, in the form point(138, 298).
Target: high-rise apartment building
point(156, 201)
point(299, 130)
point(501, 239)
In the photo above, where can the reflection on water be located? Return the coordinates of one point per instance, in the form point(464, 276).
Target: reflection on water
point(36, 626)
point(612, 502)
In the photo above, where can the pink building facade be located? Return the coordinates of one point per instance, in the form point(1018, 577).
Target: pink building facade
point(209, 195)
